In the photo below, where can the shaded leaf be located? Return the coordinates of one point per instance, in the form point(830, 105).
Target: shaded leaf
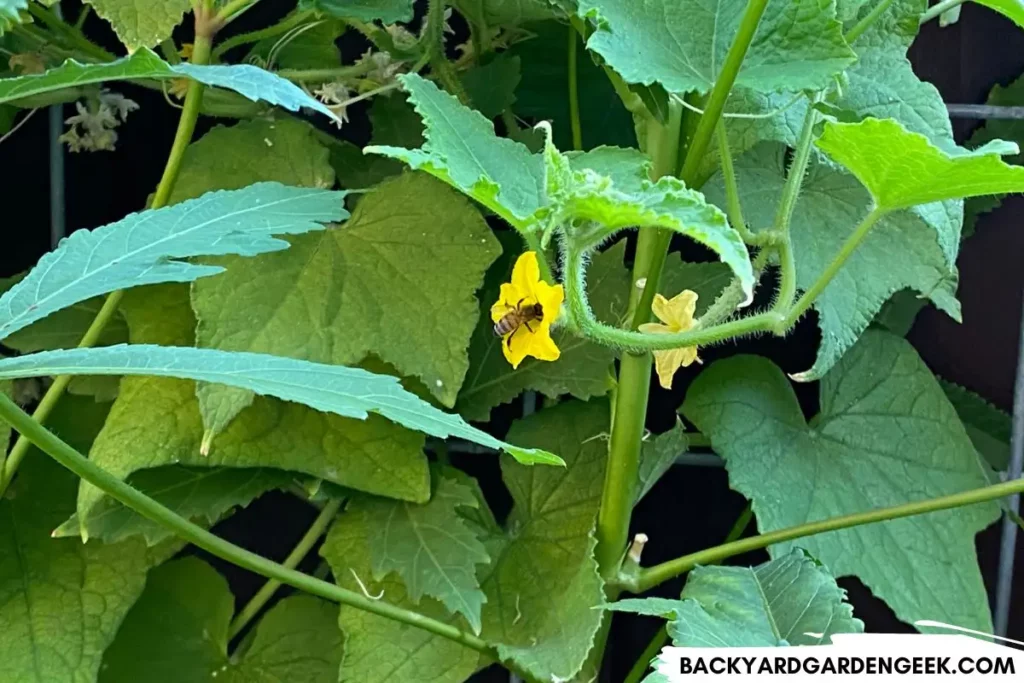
point(657, 456)
point(491, 87)
point(781, 602)
point(505, 12)
point(885, 424)
point(148, 247)
point(988, 426)
point(10, 13)
point(312, 48)
point(682, 44)
point(386, 11)
point(139, 23)
point(706, 279)
point(178, 631)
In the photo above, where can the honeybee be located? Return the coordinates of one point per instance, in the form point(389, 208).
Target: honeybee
point(516, 317)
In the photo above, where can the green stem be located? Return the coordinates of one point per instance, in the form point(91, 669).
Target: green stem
point(661, 639)
point(733, 208)
point(305, 544)
point(170, 51)
point(787, 204)
point(325, 75)
point(68, 34)
point(849, 246)
point(938, 9)
point(82, 16)
point(533, 242)
point(283, 26)
point(439, 63)
point(870, 18)
point(574, 94)
point(232, 9)
point(186, 126)
point(652, 576)
point(151, 509)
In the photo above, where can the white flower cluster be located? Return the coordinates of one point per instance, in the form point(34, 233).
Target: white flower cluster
point(92, 128)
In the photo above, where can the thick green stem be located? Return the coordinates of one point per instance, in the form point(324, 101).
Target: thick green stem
point(815, 290)
point(151, 509)
point(305, 544)
point(652, 576)
point(574, 94)
point(186, 126)
point(870, 18)
point(937, 10)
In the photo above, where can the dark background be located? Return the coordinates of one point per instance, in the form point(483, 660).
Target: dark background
point(692, 508)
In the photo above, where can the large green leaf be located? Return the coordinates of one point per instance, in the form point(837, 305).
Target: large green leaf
point(462, 150)
point(348, 392)
point(61, 601)
point(491, 86)
point(900, 252)
point(541, 94)
point(682, 44)
point(988, 427)
point(312, 47)
point(386, 11)
point(151, 246)
point(398, 280)
point(250, 81)
point(995, 129)
point(139, 23)
point(1011, 9)
point(902, 169)
point(430, 546)
point(156, 423)
point(505, 12)
point(584, 368)
point(204, 495)
point(790, 600)
point(178, 631)
point(886, 435)
point(542, 584)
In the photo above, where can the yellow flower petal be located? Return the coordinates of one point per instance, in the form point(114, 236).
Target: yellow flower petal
point(503, 305)
point(666, 363)
point(660, 308)
point(526, 275)
point(550, 298)
point(542, 347)
point(515, 346)
point(656, 328)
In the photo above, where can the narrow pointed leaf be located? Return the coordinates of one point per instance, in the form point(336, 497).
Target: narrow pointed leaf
point(349, 392)
point(885, 424)
point(250, 81)
point(790, 600)
point(148, 247)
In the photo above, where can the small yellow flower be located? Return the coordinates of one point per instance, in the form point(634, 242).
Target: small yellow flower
point(528, 334)
point(677, 314)
point(179, 87)
point(186, 50)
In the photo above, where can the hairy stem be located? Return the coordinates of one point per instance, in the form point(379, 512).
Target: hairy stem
point(68, 34)
point(305, 544)
point(182, 138)
point(815, 290)
point(283, 26)
point(733, 208)
point(652, 576)
point(574, 94)
point(439, 63)
point(937, 10)
point(151, 509)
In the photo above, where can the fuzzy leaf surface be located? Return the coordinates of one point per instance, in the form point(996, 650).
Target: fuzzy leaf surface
point(141, 23)
point(885, 424)
point(682, 44)
point(431, 547)
point(178, 631)
point(250, 81)
point(777, 603)
point(150, 247)
point(61, 601)
point(988, 427)
point(900, 252)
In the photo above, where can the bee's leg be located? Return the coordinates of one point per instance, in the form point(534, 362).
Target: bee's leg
point(532, 331)
point(508, 339)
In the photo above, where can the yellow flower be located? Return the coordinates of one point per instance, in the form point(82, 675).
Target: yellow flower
point(528, 328)
point(677, 314)
point(179, 87)
point(186, 50)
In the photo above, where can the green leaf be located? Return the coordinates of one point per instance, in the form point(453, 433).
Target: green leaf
point(462, 150)
point(393, 281)
point(542, 92)
point(1011, 9)
point(682, 44)
point(900, 252)
point(348, 392)
point(584, 368)
point(139, 23)
point(245, 79)
point(430, 546)
point(706, 279)
point(385, 11)
point(505, 12)
point(285, 151)
point(62, 600)
point(658, 454)
point(311, 48)
point(902, 169)
point(542, 584)
point(204, 495)
point(886, 425)
point(491, 87)
point(988, 427)
point(995, 129)
point(178, 631)
point(781, 602)
point(10, 13)
point(148, 247)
